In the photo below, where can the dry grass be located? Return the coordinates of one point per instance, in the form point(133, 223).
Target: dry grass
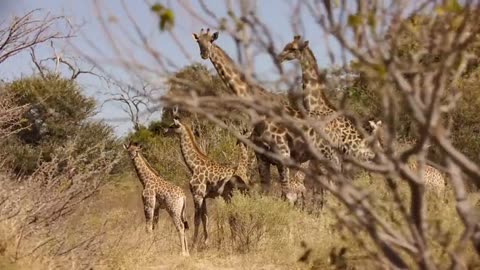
point(114, 216)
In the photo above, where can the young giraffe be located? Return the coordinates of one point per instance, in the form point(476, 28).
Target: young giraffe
point(159, 194)
point(209, 179)
point(266, 133)
point(296, 188)
point(434, 179)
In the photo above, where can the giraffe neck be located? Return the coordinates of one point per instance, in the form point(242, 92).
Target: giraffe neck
point(190, 151)
point(243, 161)
point(231, 75)
point(313, 84)
point(144, 170)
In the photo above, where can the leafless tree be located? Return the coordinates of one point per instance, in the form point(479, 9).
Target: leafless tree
point(59, 186)
point(29, 30)
point(134, 102)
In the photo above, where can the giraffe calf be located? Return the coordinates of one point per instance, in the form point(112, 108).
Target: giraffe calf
point(434, 179)
point(296, 190)
point(159, 194)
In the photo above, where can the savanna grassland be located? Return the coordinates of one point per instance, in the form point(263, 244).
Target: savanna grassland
point(70, 197)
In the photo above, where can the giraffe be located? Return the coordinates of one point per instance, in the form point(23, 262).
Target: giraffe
point(159, 194)
point(296, 191)
point(209, 179)
point(266, 133)
point(241, 170)
point(243, 161)
point(313, 84)
point(434, 179)
point(340, 130)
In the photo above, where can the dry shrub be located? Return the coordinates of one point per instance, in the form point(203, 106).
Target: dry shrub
point(34, 217)
point(249, 220)
point(10, 114)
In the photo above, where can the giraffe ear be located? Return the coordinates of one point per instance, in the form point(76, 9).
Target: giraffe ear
point(372, 124)
point(214, 37)
point(125, 146)
point(195, 36)
point(379, 122)
point(304, 45)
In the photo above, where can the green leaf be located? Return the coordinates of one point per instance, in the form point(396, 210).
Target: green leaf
point(381, 70)
point(453, 6)
point(167, 20)
point(157, 8)
point(355, 20)
point(371, 20)
point(223, 24)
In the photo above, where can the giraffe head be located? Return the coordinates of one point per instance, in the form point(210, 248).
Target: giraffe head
point(293, 49)
point(133, 149)
point(176, 126)
point(205, 42)
point(375, 125)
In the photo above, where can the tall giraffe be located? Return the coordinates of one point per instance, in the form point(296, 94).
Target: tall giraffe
point(433, 178)
point(209, 179)
point(313, 83)
point(266, 133)
point(159, 194)
point(341, 130)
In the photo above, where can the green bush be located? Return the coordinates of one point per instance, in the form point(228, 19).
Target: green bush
point(59, 112)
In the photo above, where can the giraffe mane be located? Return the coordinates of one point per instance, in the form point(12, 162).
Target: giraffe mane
point(194, 142)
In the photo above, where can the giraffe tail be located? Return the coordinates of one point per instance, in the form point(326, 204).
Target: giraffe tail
point(184, 220)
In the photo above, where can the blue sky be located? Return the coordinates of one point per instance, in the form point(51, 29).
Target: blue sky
point(274, 13)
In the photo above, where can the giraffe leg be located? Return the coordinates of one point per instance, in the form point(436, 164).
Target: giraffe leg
point(148, 205)
point(176, 215)
point(284, 171)
point(317, 190)
point(185, 227)
point(198, 201)
point(205, 221)
point(156, 216)
point(302, 197)
point(264, 171)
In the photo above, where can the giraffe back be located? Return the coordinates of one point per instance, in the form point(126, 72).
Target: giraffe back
point(434, 178)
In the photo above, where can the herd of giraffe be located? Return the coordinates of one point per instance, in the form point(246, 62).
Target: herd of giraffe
point(210, 179)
